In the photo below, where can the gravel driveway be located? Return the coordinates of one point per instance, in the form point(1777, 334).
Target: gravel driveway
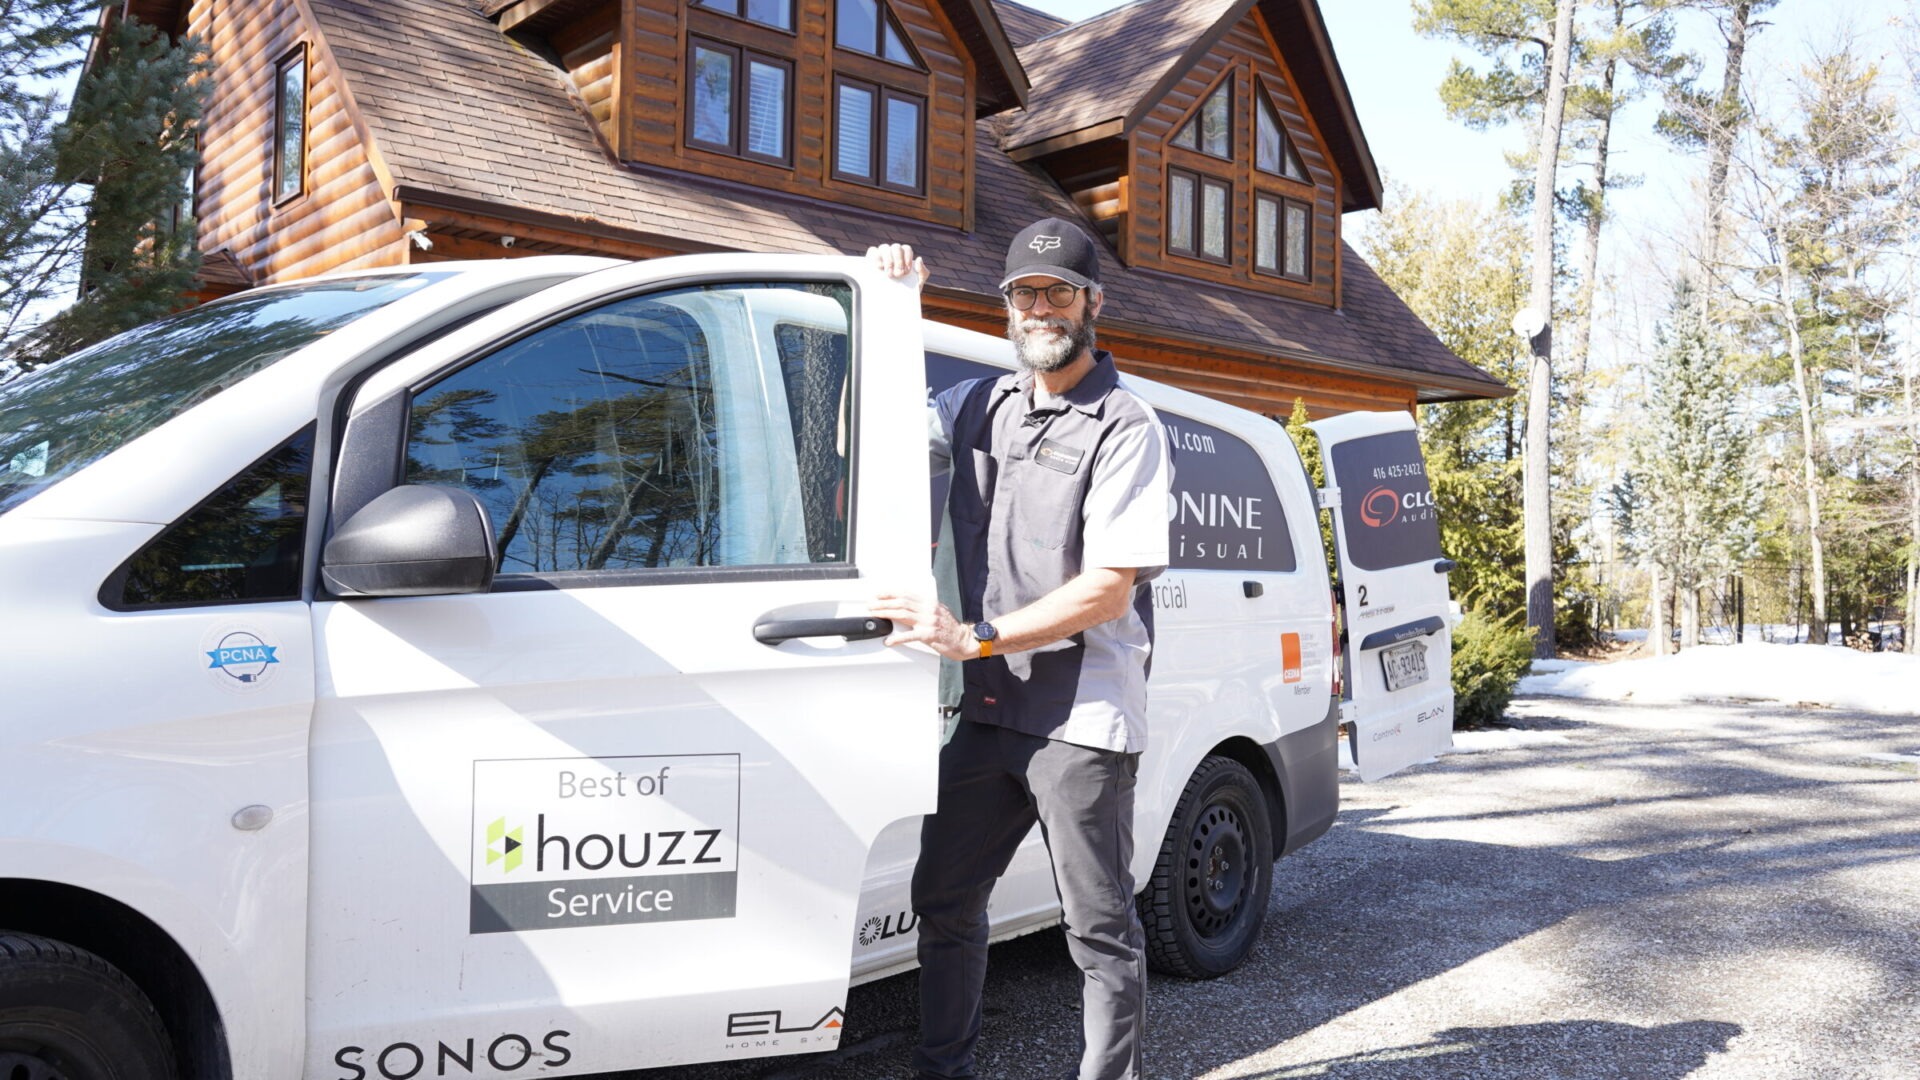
point(1711, 891)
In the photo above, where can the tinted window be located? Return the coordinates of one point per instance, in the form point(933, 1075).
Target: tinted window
point(67, 415)
point(243, 543)
point(1386, 507)
point(698, 427)
point(1226, 514)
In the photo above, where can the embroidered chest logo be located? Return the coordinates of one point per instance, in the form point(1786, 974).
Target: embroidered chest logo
point(1059, 457)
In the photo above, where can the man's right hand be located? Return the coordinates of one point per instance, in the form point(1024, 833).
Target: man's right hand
point(898, 260)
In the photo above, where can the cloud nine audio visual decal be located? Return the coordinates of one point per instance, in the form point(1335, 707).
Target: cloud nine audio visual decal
point(567, 842)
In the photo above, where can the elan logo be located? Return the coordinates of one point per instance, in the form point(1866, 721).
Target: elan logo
point(1044, 244)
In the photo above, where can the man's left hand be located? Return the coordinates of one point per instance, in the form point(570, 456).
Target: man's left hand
point(928, 622)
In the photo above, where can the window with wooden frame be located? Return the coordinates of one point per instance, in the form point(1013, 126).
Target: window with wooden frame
point(290, 126)
point(1210, 131)
point(879, 136)
point(1199, 215)
point(867, 26)
point(739, 101)
point(775, 13)
point(1282, 236)
point(1273, 148)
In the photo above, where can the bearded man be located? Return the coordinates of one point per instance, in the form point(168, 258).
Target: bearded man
point(1059, 509)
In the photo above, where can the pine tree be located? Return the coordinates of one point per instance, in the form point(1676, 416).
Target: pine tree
point(1700, 499)
point(96, 199)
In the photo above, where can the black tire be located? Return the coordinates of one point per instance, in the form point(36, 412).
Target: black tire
point(1204, 905)
point(66, 1014)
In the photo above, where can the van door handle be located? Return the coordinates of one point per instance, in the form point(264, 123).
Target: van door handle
point(853, 628)
point(1444, 566)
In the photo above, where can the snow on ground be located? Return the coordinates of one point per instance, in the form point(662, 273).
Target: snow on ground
point(1791, 674)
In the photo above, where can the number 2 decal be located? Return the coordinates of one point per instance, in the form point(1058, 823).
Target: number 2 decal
point(1363, 596)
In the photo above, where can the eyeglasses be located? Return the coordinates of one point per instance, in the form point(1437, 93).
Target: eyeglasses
point(1059, 296)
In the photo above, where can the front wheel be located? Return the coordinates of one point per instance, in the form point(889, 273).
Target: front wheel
point(66, 1014)
point(1204, 904)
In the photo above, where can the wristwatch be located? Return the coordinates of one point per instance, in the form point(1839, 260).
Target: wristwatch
point(985, 634)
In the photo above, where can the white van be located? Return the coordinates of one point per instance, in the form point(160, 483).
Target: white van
point(464, 671)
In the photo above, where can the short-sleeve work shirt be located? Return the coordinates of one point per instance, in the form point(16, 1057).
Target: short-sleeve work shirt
point(1039, 495)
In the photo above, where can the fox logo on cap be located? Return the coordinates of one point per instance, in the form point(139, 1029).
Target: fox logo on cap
point(1044, 243)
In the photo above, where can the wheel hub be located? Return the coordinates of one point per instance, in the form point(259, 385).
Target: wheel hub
point(1217, 867)
point(16, 1064)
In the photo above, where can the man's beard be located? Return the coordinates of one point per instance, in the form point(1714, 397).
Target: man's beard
point(1049, 352)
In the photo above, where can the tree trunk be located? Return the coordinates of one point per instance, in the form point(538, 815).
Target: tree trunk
point(1538, 509)
point(1810, 473)
point(1720, 130)
point(1659, 637)
point(1910, 637)
point(1689, 616)
point(1581, 332)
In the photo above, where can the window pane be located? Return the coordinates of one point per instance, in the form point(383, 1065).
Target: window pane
point(1266, 234)
point(766, 109)
point(772, 12)
point(1294, 169)
point(892, 46)
point(245, 543)
point(1180, 212)
point(856, 24)
point(903, 142)
point(1268, 153)
point(1296, 240)
point(653, 432)
point(292, 150)
point(712, 96)
point(1186, 136)
point(1213, 224)
point(1216, 123)
point(853, 139)
point(731, 7)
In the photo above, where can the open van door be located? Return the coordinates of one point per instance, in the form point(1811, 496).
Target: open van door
point(614, 811)
point(1393, 579)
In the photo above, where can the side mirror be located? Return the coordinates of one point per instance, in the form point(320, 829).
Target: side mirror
point(414, 540)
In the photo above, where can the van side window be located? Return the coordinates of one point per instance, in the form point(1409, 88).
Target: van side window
point(1226, 513)
point(700, 427)
point(243, 543)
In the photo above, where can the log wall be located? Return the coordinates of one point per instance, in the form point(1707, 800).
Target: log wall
point(342, 220)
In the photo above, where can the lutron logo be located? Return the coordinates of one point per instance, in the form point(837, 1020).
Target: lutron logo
point(1380, 506)
point(505, 846)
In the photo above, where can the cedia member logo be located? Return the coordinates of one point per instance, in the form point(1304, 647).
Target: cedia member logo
point(505, 845)
point(1044, 244)
point(1379, 506)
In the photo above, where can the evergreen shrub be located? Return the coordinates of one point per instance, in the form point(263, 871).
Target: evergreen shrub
point(1489, 656)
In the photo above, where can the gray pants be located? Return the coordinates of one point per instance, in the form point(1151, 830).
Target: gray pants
point(994, 784)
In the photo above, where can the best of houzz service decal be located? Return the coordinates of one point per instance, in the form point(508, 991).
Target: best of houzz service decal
point(565, 842)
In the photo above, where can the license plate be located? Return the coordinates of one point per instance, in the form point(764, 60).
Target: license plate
point(1405, 664)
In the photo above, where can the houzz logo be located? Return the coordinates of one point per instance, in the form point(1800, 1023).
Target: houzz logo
point(505, 845)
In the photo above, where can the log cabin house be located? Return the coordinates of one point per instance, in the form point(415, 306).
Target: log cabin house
point(1212, 143)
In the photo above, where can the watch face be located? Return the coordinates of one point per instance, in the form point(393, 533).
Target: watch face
point(985, 631)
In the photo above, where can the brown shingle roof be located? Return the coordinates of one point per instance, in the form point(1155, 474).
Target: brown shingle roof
point(1098, 70)
point(461, 113)
point(1023, 23)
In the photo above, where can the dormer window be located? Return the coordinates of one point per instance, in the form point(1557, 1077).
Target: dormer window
point(1211, 129)
point(775, 13)
point(867, 26)
point(1273, 150)
point(740, 101)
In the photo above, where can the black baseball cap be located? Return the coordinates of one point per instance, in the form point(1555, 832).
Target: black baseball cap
point(1054, 247)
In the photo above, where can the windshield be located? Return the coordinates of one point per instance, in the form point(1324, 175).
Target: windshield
point(63, 417)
